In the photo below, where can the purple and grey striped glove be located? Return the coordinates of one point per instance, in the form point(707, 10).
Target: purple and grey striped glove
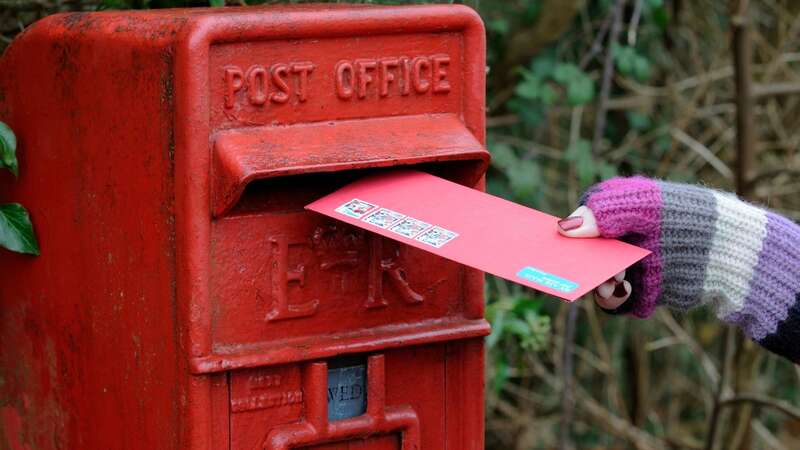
point(709, 248)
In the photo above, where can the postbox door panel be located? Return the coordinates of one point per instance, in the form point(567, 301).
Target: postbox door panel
point(286, 272)
point(405, 398)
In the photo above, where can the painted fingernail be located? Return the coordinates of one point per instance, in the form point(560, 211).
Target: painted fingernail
point(620, 290)
point(570, 223)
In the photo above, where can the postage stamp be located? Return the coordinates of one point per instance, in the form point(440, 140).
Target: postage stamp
point(383, 217)
point(356, 208)
point(409, 227)
point(437, 236)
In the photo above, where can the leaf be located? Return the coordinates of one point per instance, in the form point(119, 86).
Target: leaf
point(638, 121)
point(502, 371)
point(497, 329)
point(518, 327)
point(630, 63)
point(532, 10)
point(663, 142)
point(503, 156)
point(564, 72)
point(580, 154)
point(8, 149)
point(641, 68)
point(532, 114)
point(623, 58)
point(16, 230)
point(607, 170)
point(543, 65)
point(548, 95)
point(521, 305)
point(529, 89)
point(580, 91)
point(660, 17)
point(499, 26)
point(216, 3)
point(524, 179)
point(578, 150)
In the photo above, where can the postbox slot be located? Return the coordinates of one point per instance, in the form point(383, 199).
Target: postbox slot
point(313, 159)
point(291, 194)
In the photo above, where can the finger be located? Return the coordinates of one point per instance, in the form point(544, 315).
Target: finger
point(606, 290)
point(579, 224)
point(621, 294)
point(619, 277)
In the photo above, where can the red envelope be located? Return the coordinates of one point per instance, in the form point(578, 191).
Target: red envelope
point(479, 230)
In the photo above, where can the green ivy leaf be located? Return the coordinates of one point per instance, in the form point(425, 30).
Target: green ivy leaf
point(638, 121)
point(580, 154)
point(529, 88)
point(607, 170)
point(580, 91)
point(548, 95)
point(565, 72)
point(16, 230)
point(630, 63)
point(518, 327)
point(216, 3)
point(503, 156)
point(524, 179)
point(580, 149)
point(660, 17)
point(544, 65)
point(532, 114)
point(499, 26)
point(524, 304)
point(501, 373)
point(8, 149)
point(497, 329)
point(532, 10)
point(641, 68)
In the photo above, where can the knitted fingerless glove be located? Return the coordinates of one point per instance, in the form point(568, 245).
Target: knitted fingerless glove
point(708, 247)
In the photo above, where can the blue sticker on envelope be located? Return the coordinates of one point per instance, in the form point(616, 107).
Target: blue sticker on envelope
point(547, 279)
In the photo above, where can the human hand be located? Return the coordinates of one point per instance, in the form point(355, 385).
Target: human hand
point(583, 224)
point(629, 209)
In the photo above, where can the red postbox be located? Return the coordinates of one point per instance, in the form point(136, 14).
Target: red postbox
point(184, 299)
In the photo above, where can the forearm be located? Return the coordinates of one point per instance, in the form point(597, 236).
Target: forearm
point(708, 248)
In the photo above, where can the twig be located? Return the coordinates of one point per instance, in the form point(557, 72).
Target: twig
point(745, 132)
point(703, 151)
point(608, 75)
point(775, 89)
point(597, 43)
point(769, 439)
point(500, 121)
point(727, 366)
point(770, 175)
point(618, 426)
point(567, 400)
point(633, 27)
point(762, 400)
point(609, 421)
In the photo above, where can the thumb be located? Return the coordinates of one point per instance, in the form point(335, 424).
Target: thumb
point(579, 224)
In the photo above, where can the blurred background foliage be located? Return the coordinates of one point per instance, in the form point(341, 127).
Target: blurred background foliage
point(583, 90)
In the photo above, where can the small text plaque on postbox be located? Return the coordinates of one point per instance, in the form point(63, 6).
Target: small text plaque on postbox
point(347, 389)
